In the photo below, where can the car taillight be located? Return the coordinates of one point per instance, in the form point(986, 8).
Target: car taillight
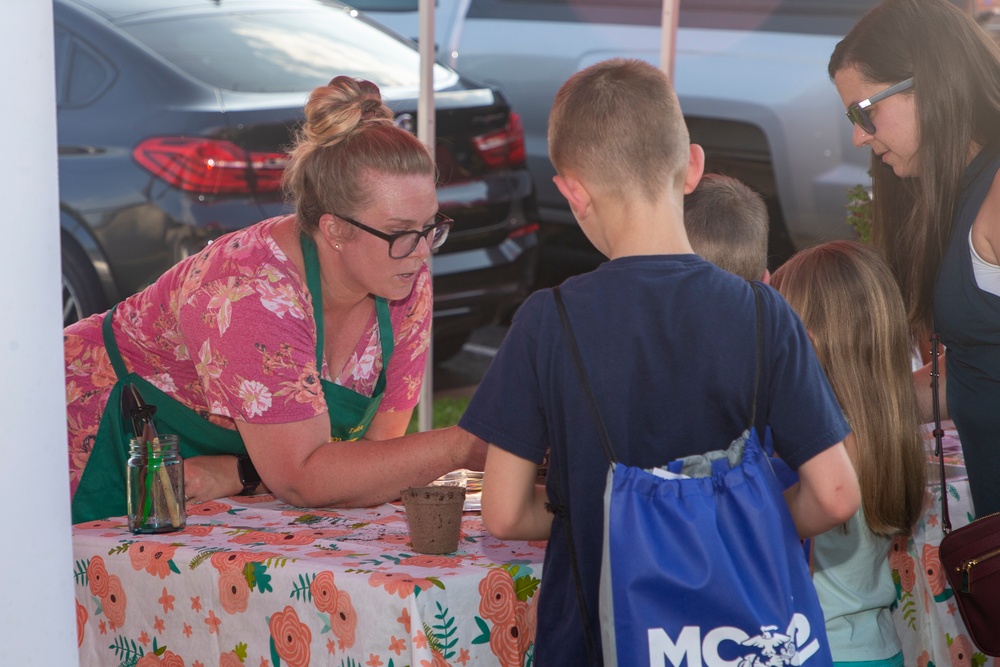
point(211, 166)
point(503, 148)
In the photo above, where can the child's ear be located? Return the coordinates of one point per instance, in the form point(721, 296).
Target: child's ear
point(575, 193)
point(695, 169)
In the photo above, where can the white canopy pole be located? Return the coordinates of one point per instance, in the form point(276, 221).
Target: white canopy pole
point(426, 134)
point(668, 46)
point(37, 617)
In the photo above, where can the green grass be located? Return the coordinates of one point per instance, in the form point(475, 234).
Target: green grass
point(447, 412)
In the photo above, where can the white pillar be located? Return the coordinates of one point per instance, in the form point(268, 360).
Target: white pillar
point(37, 617)
point(427, 132)
point(668, 44)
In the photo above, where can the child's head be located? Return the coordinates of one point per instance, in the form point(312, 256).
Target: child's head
point(618, 126)
point(850, 304)
point(727, 224)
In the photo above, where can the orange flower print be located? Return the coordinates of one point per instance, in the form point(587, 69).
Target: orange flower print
point(344, 620)
point(306, 389)
point(168, 659)
point(114, 602)
point(505, 643)
point(208, 508)
point(230, 659)
point(159, 560)
point(497, 598)
point(151, 556)
point(923, 659)
point(291, 637)
point(437, 660)
point(213, 622)
point(961, 652)
point(81, 622)
point(400, 584)
point(73, 346)
point(234, 592)
point(228, 560)
point(404, 619)
point(907, 575)
point(324, 592)
point(897, 550)
point(140, 553)
point(167, 600)
point(397, 645)
point(934, 570)
point(100, 524)
point(421, 560)
point(525, 616)
point(97, 574)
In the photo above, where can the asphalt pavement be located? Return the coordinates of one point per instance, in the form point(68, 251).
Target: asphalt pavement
point(460, 374)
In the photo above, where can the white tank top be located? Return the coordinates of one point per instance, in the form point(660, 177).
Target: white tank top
point(987, 275)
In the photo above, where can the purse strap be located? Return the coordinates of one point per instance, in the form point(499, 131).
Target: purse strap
point(938, 431)
point(562, 510)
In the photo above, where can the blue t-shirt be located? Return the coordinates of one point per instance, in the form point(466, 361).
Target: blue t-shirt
point(669, 344)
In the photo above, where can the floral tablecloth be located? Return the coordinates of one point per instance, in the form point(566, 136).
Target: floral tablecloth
point(254, 582)
point(926, 616)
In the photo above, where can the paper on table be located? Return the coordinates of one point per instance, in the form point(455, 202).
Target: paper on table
point(473, 502)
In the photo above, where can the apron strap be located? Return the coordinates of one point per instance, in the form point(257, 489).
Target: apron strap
point(310, 257)
point(111, 345)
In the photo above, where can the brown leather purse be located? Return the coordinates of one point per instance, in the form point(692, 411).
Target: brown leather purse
point(970, 555)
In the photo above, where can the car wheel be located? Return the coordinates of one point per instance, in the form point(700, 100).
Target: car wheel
point(81, 293)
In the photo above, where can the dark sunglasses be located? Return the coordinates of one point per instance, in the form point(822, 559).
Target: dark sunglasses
point(402, 244)
point(858, 112)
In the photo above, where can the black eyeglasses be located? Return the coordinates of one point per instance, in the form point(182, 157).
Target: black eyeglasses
point(402, 244)
point(858, 114)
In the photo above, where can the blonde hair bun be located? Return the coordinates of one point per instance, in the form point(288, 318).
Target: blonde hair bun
point(337, 109)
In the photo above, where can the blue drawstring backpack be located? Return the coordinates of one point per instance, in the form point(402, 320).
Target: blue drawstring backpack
point(701, 563)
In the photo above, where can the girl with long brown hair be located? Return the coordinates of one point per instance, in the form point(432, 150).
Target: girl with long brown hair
point(851, 307)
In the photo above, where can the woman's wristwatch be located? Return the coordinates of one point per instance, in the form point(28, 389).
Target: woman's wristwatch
point(248, 475)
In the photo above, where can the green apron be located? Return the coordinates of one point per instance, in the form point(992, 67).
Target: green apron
point(101, 492)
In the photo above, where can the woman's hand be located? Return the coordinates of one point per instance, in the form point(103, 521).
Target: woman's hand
point(475, 458)
point(210, 477)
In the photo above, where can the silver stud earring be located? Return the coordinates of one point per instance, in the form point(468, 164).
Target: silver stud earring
point(336, 246)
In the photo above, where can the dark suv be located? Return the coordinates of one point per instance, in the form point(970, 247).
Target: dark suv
point(174, 117)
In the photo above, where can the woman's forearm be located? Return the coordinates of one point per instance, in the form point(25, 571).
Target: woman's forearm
point(370, 472)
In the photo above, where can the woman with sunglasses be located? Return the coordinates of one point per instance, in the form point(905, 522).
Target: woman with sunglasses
point(921, 84)
point(291, 352)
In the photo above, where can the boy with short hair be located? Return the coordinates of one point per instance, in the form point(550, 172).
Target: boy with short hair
point(668, 343)
point(727, 224)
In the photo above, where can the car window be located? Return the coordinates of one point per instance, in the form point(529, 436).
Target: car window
point(281, 51)
point(81, 73)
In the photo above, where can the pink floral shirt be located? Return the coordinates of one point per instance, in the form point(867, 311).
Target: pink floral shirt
point(230, 333)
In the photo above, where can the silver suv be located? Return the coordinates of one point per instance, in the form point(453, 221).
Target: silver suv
point(750, 74)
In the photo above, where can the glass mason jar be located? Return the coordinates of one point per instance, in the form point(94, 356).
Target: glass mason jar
point(155, 486)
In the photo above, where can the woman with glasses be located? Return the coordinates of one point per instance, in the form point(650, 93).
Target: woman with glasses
point(921, 84)
point(290, 353)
